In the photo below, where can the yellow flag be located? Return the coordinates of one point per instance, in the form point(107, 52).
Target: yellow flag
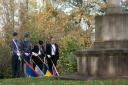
point(48, 74)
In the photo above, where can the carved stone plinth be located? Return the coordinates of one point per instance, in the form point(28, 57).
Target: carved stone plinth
point(109, 56)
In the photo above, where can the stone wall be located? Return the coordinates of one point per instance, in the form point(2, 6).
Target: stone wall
point(103, 64)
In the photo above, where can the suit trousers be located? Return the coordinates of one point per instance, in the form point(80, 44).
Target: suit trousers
point(51, 61)
point(15, 66)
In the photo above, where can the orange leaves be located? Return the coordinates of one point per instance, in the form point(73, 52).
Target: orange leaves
point(33, 3)
point(49, 22)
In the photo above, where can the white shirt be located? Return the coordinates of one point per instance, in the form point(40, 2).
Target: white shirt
point(40, 49)
point(53, 49)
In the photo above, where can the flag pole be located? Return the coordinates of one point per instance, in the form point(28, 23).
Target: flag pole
point(52, 63)
point(54, 67)
point(37, 65)
point(41, 60)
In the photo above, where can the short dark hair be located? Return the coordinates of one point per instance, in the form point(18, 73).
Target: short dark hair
point(40, 42)
point(14, 33)
point(26, 34)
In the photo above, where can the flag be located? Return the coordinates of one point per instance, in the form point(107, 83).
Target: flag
point(39, 70)
point(30, 72)
point(54, 71)
point(48, 74)
point(46, 70)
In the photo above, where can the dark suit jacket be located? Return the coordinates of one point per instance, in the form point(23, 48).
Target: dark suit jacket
point(49, 48)
point(36, 50)
point(26, 46)
point(14, 48)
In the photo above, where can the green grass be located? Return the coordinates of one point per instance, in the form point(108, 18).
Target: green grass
point(51, 81)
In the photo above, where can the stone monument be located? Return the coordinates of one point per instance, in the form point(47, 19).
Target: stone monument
point(109, 56)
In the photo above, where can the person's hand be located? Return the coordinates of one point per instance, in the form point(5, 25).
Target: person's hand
point(49, 56)
point(18, 53)
point(27, 54)
point(19, 58)
point(35, 54)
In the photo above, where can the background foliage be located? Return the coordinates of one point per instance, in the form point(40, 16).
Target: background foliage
point(47, 22)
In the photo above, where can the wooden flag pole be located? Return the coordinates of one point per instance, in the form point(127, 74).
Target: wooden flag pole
point(55, 67)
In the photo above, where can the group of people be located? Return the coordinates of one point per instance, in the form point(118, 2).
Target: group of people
point(22, 52)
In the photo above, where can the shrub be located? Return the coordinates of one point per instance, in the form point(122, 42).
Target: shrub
point(5, 61)
point(68, 46)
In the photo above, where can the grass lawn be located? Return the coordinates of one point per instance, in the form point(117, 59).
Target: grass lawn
point(51, 81)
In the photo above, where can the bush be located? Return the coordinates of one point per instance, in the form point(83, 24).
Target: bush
point(5, 62)
point(68, 46)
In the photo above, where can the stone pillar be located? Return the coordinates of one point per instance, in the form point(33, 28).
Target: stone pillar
point(82, 65)
point(79, 63)
point(111, 68)
point(94, 66)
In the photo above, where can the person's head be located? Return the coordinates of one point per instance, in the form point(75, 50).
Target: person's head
point(26, 34)
point(52, 40)
point(14, 34)
point(40, 42)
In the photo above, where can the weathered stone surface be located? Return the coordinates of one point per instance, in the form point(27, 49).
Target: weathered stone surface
point(97, 52)
point(109, 56)
point(114, 3)
point(111, 44)
point(111, 27)
point(104, 65)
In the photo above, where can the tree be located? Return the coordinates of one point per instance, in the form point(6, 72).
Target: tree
point(46, 22)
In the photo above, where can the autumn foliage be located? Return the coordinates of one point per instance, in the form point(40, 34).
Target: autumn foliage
point(64, 28)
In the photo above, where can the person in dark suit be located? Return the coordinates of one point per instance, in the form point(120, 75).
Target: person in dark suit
point(26, 47)
point(52, 53)
point(26, 50)
point(16, 48)
point(38, 54)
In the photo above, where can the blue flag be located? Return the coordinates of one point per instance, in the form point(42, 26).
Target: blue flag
point(39, 70)
point(30, 72)
point(45, 68)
